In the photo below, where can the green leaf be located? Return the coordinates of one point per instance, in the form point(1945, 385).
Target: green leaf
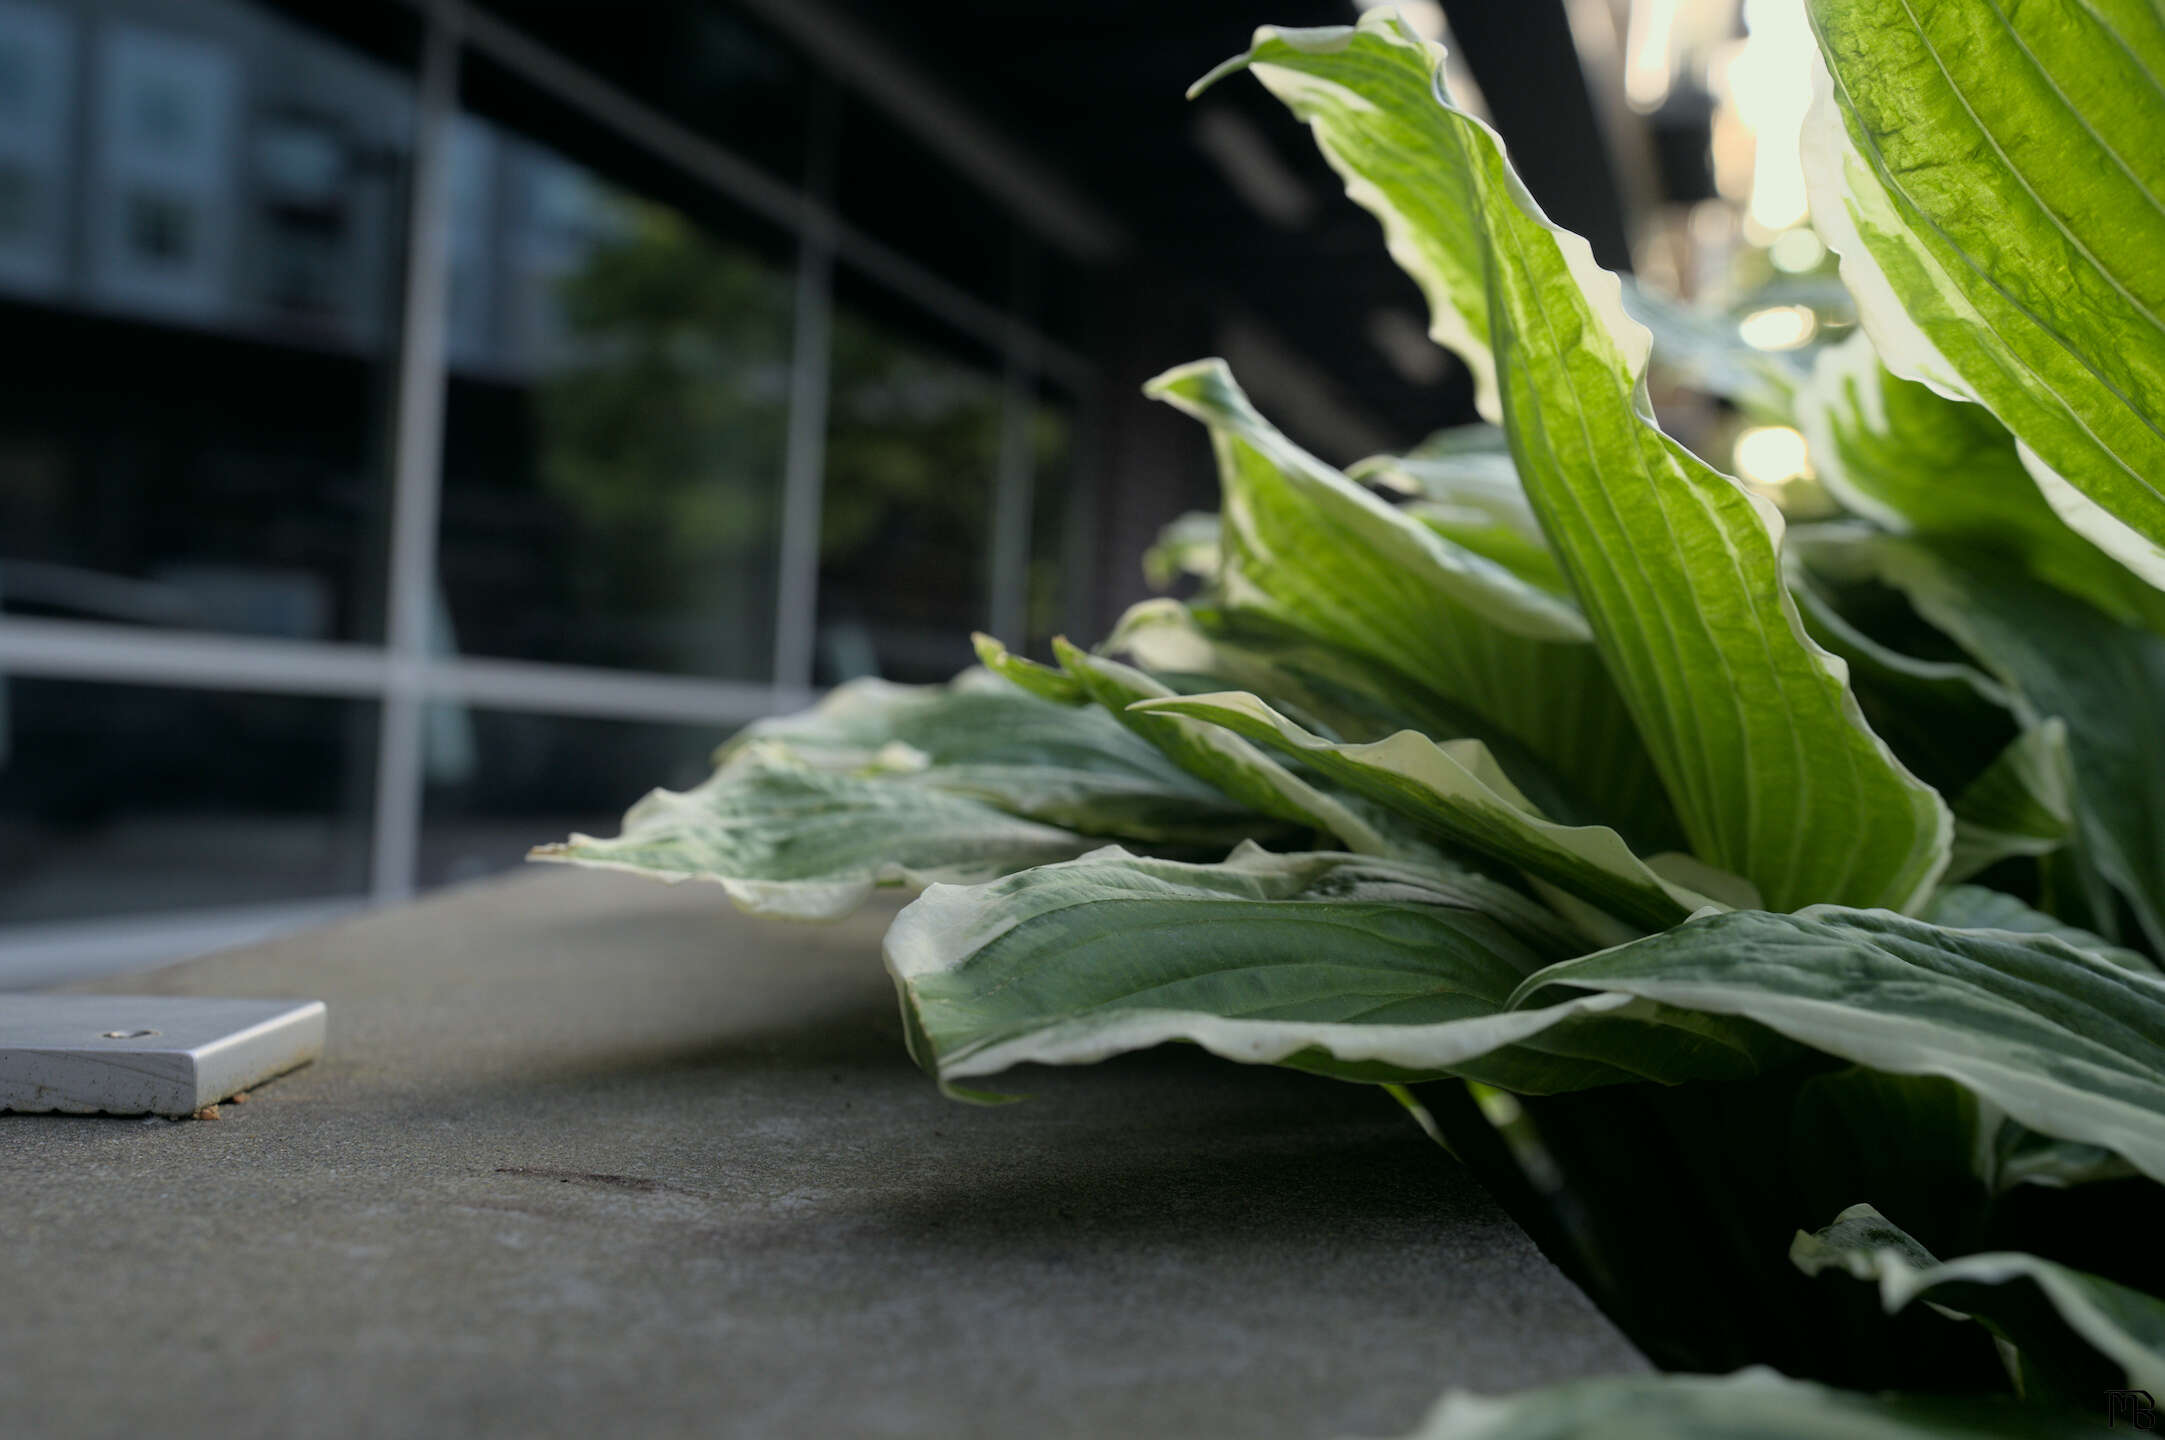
point(1755, 1404)
point(1188, 545)
point(983, 738)
point(1454, 452)
point(1973, 907)
point(1914, 461)
point(1751, 726)
point(1923, 1145)
point(1705, 352)
point(2065, 1041)
point(1947, 721)
point(1861, 1243)
point(1991, 176)
point(2063, 660)
point(2030, 1302)
point(1457, 793)
point(790, 841)
point(1464, 486)
point(1335, 689)
point(1226, 762)
point(1489, 529)
point(1307, 548)
point(1361, 968)
point(1388, 141)
point(1334, 692)
point(2028, 1158)
point(1306, 539)
point(1027, 675)
point(2022, 805)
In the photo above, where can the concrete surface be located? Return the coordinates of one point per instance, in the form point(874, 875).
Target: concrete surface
point(588, 1155)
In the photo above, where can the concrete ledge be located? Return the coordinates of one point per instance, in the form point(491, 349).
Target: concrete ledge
point(591, 1155)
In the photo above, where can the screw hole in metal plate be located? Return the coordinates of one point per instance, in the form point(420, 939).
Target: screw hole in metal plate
point(126, 1034)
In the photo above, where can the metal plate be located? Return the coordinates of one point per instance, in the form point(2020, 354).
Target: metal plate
point(147, 1054)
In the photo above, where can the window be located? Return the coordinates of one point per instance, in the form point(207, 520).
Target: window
point(618, 416)
point(1059, 523)
point(117, 799)
point(188, 436)
point(707, 403)
point(912, 451)
point(501, 781)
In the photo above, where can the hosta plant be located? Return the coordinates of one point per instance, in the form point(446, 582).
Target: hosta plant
point(1768, 912)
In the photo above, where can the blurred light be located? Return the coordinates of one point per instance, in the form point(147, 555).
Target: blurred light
point(1656, 262)
point(1779, 327)
point(1797, 251)
point(1649, 53)
point(1252, 168)
point(1405, 343)
point(1770, 84)
point(1712, 233)
point(1770, 456)
point(1732, 139)
point(1713, 225)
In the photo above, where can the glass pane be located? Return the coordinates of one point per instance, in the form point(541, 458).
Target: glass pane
point(617, 421)
point(913, 438)
point(1054, 513)
point(709, 67)
point(194, 396)
point(1065, 298)
point(503, 782)
point(118, 798)
point(892, 187)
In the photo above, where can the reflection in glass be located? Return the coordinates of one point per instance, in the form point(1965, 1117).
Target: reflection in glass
point(193, 397)
point(616, 427)
point(37, 71)
point(913, 440)
point(117, 799)
point(527, 779)
point(162, 210)
point(890, 184)
point(1052, 521)
point(714, 68)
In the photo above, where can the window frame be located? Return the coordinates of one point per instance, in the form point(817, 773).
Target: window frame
point(402, 674)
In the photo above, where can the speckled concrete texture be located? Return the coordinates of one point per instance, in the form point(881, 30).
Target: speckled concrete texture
point(588, 1155)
